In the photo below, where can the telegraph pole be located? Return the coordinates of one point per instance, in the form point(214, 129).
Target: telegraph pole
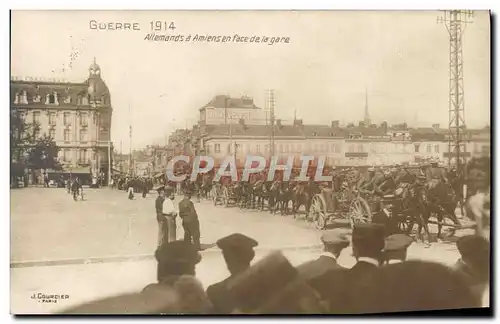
point(455, 22)
point(271, 103)
point(130, 140)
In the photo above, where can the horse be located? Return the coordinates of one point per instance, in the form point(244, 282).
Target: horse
point(284, 196)
point(302, 196)
point(261, 192)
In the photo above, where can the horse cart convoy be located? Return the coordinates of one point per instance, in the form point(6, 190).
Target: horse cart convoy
point(398, 196)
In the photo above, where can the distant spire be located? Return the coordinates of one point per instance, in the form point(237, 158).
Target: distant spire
point(94, 60)
point(367, 120)
point(295, 114)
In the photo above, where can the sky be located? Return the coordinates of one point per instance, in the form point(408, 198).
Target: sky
point(400, 58)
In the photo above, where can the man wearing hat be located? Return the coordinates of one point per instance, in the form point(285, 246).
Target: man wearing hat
point(176, 271)
point(365, 184)
point(367, 246)
point(396, 247)
point(237, 250)
point(334, 242)
point(190, 221)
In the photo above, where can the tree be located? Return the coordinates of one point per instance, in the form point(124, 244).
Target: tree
point(43, 154)
point(22, 137)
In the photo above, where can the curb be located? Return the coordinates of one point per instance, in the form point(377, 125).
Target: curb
point(134, 258)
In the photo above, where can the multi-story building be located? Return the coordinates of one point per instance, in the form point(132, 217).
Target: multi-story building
point(76, 115)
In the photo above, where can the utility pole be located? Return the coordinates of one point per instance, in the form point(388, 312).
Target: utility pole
point(121, 156)
point(455, 22)
point(130, 140)
point(271, 103)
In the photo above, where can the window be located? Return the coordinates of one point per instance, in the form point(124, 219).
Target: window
point(24, 97)
point(428, 148)
point(67, 119)
point(17, 98)
point(351, 148)
point(83, 119)
point(66, 156)
point(52, 99)
point(257, 148)
point(436, 149)
point(52, 133)
point(217, 148)
point(67, 135)
point(36, 117)
point(52, 118)
point(83, 135)
point(83, 156)
point(79, 100)
point(417, 148)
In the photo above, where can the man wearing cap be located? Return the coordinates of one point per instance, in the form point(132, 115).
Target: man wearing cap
point(396, 247)
point(334, 242)
point(365, 184)
point(237, 250)
point(176, 270)
point(190, 221)
point(160, 217)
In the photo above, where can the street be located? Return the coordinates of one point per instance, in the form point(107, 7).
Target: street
point(81, 248)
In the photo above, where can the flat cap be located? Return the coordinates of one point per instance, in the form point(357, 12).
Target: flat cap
point(397, 242)
point(371, 169)
point(368, 235)
point(236, 241)
point(473, 245)
point(178, 252)
point(335, 237)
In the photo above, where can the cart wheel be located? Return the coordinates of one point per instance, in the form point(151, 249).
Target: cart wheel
point(318, 212)
point(359, 212)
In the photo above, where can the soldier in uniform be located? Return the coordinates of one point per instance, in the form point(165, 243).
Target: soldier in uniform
point(365, 184)
point(334, 242)
point(396, 247)
point(190, 221)
point(176, 271)
point(237, 250)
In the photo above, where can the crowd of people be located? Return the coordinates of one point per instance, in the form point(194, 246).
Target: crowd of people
point(381, 281)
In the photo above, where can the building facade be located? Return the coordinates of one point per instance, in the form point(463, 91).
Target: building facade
point(77, 116)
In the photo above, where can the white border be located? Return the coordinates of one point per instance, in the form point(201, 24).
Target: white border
point(148, 4)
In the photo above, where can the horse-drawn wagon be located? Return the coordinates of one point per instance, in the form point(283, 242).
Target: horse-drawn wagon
point(346, 204)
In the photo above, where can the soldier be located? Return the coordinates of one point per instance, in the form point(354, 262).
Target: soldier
point(334, 242)
point(365, 184)
point(176, 270)
point(396, 247)
point(190, 221)
point(238, 252)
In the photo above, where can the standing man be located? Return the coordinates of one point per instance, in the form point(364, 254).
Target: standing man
point(238, 252)
point(334, 242)
point(159, 214)
point(170, 214)
point(190, 221)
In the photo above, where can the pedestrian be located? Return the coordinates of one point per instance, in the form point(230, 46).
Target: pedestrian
point(396, 247)
point(190, 222)
point(334, 242)
point(169, 213)
point(474, 263)
point(130, 190)
point(237, 250)
point(176, 269)
point(160, 218)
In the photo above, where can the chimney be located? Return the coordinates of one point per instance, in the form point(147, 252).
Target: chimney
point(335, 124)
point(435, 127)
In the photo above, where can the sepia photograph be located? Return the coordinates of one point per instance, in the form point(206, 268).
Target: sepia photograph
point(288, 162)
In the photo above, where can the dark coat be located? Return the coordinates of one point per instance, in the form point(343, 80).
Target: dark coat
point(187, 212)
point(159, 208)
point(220, 299)
point(318, 267)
